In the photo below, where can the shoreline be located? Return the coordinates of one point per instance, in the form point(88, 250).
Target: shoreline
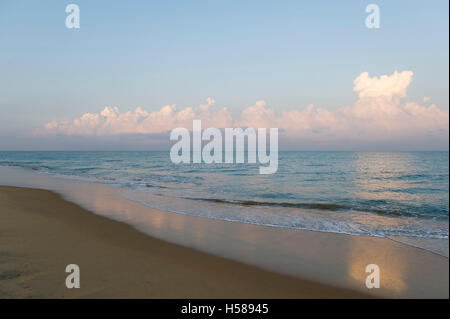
point(42, 233)
point(330, 259)
point(442, 251)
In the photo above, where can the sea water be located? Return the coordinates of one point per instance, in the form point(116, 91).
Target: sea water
point(399, 195)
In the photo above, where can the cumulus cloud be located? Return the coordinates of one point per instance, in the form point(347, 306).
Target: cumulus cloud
point(386, 86)
point(111, 122)
point(381, 112)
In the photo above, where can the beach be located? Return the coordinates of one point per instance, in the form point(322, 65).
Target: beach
point(129, 250)
point(41, 233)
point(230, 150)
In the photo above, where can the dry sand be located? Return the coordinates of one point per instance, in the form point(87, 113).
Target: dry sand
point(40, 234)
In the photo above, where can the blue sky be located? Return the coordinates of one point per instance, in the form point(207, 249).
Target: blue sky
point(134, 53)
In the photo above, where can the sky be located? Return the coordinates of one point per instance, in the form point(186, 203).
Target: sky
point(134, 70)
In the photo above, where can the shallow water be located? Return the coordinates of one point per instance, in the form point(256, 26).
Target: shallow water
point(400, 195)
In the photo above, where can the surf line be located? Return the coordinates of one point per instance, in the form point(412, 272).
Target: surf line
point(234, 152)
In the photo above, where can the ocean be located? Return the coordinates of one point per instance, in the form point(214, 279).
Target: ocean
point(403, 196)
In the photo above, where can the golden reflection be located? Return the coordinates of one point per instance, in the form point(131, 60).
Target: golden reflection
point(101, 203)
point(157, 221)
point(378, 176)
point(391, 261)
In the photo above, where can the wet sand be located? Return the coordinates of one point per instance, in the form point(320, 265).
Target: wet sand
point(40, 233)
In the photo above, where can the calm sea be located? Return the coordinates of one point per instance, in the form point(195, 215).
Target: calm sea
point(400, 195)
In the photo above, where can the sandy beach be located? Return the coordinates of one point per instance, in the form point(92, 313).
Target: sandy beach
point(42, 233)
point(224, 150)
point(127, 249)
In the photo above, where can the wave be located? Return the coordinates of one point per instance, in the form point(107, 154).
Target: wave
point(30, 167)
point(321, 206)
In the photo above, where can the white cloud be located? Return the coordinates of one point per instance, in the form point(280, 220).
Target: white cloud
point(386, 86)
point(110, 121)
point(381, 112)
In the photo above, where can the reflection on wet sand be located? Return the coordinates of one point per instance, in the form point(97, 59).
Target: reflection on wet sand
point(335, 259)
point(393, 270)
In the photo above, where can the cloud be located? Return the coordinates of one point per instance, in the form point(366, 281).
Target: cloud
point(386, 86)
point(111, 122)
point(381, 112)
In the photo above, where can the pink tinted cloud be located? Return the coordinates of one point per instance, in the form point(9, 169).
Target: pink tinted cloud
point(381, 112)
